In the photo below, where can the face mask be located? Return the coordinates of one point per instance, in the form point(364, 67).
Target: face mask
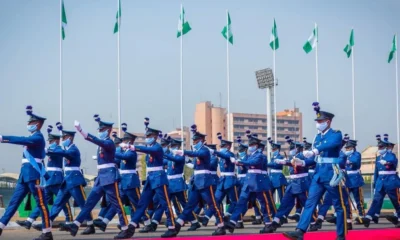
point(382, 152)
point(32, 128)
point(103, 135)
point(173, 149)
point(389, 150)
point(223, 150)
point(66, 143)
point(149, 141)
point(293, 152)
point(322, 126)
point(198, 145)
point(53, 145)
point(252, 149)
point(242, 155)
point(348, 153)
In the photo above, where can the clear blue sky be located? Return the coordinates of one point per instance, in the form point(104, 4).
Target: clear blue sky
point(29, 63)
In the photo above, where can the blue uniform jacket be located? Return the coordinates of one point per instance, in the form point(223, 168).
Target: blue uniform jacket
point(388, 182)
point(127, 161)
point(105, 155)
point(354, 178)
point(55, 177)
point(72, 158)
point(301, 184)
point(176, 165)
point(35, 145)
point(256, 182)
point(213, 168)
point(277, 179)
point(202, 162)
point(155, 159)
point(226, 166)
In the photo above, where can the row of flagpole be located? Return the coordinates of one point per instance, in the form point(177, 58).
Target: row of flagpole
point(184, 27)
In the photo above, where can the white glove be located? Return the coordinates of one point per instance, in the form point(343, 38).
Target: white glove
point(132, 147)
point(383, 162)
point(233, 160)
point(94, 157)
point(308, 154)
point(190, 165)
point(348, 162)
point(1, 138)
point(80, 130)
point(45, 149)
point(315, 151)
point(177, 152)
point(280, 161)
point(211, 151)
point(298, 162)
point(123, 145)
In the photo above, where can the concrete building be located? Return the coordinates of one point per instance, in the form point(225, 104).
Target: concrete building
point(210, 120)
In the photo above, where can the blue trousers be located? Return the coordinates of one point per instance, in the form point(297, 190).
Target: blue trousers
point(104, 211)
point(112, 193)
point(359, 198)
point(50, 192)
point(288, 202)
point(179, 199)
point(233, 195)
point(63, 197)
point(316, 191)
point(280, 190)
point(377, 202)
point(21, 190)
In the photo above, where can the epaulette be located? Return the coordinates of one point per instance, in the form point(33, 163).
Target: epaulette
point(336, 131)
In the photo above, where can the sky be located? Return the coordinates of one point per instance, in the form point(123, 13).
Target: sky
point(150, 63)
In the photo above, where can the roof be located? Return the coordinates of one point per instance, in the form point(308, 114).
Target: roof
point(13, 177)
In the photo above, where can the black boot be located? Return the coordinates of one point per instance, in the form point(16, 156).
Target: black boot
point(170, 233)
point(230, 226)
point(61, 227)
point(177, 227)
point(257, 222)
point(295, 217)
point(296, 235)
point(375, 219)
point(1, 231)
point(152, 227)
point(45, 236)
point(227, 218)
point(331, 220)
point(72, 228)
point(90, 230)
point(393, 219)
point(128, 233)
point(100, 225)
point(270, 228)
point(203, 220)
point(366, 221)
point(37, 227)
point(219, 232)
point(119, 227)
point(26, 224)
point(283, 220)
point(239, 225)
point(349, 226)
point(194, 226)
point(316, 225)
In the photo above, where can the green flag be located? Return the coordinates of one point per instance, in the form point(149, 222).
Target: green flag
point(183, 25)
point(312, 40)
point(274, 40)
point(227, 30)
point(394, 48)
point(350, 45)
point(63, 20)
point(118, 18)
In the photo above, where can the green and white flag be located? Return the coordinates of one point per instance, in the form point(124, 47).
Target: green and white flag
point(312, 40)
point(63, 20)
point(350, 45)
point(274, 40)
point(118, 18)
point(227, 30)
point(183, 25)
point(394, 48)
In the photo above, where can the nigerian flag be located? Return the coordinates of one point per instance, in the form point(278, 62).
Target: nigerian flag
point(118, 18)
point(394, 48)
point(227, 30)
point(183, 25)
point(312, 40)
point(274, 40)
point(350, 45)
point(63, 20)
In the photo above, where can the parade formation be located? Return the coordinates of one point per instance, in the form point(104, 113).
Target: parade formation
point(323, 173)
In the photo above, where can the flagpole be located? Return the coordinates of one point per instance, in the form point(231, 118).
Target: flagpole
point(397, 102)
point(316, 62)
point(227, 75)
point(61, 83)
point(181, 17)
point(353, 91)
point(119, 68)
point(275, 136)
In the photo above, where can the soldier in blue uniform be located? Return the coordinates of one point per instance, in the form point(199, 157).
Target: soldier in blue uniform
point(106, 181)
point(327, 176)
point(241, 175)
point(53, 183)
point(386, 181)
point(203, 181)
point(32, 170)
point(156, 182)
point(73, 183)
point(278, 180)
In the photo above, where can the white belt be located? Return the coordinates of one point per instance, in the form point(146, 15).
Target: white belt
point(154, 169)
point(72, 169)
point(241, 175)
point(54, 169)
point(38, 160)
point(300, 175)
point(311, 170)
point(213, 172)
point(174, 176)
point(227, 174)
point(276, 171)
point(326, 160)
point(127, 171)
point(258, 171)
point(264, 172)
point(196, 172)
point(386, 172)
point(353, 172)
point(107, 165)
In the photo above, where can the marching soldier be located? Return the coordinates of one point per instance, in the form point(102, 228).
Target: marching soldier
point(278, 180)
point(32, 170)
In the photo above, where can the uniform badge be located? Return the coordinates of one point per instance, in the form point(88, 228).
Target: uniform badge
point(124, 161)
point(151, 159)
point(101, 153)
point(198, 162)
point(49, 159)
point(173, 166)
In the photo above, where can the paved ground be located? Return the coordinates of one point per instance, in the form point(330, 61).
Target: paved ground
point(23, 234)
